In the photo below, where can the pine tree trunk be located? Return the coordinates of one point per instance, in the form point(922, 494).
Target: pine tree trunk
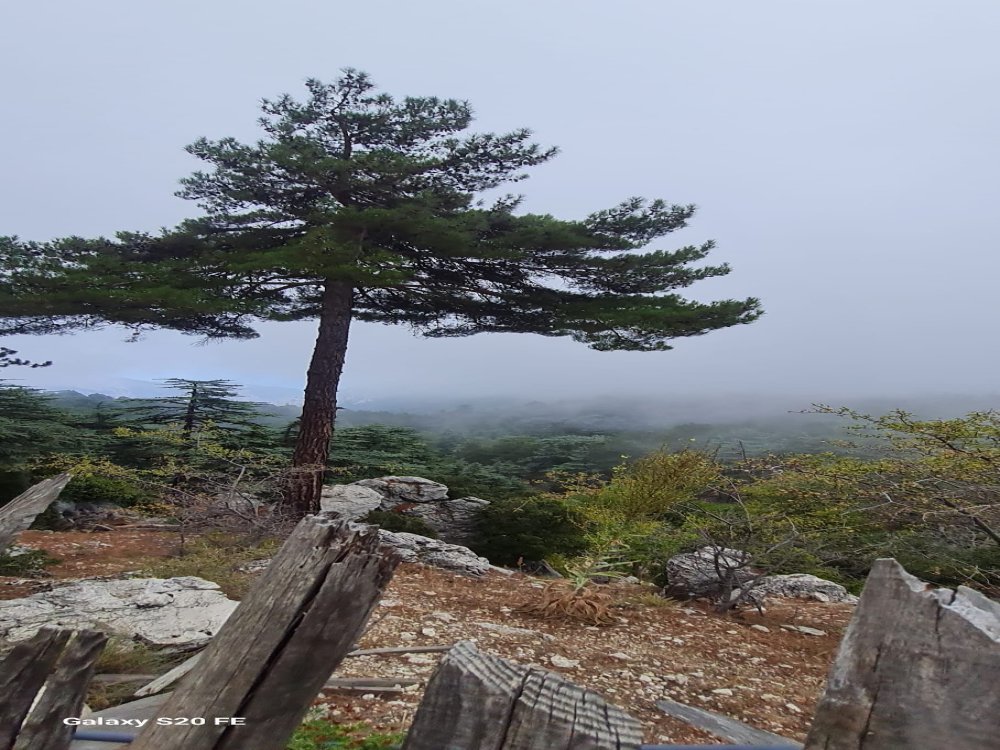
point(189, 415)
point(312, 446)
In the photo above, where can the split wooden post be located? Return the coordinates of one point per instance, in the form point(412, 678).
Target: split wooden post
point(59, 663)
point(17, 515)
point(476, 701)
point(269, 661)
point(917, 668)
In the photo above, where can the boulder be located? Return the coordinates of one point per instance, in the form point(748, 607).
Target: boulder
point(453, 521)
point(350, 501)
point(396, 490)
point(805, 586)
point(87, 515)
point(696, 574)
point(180, 613)
point(413, 548)
point(434, 552)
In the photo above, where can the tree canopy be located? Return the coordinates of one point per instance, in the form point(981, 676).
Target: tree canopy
point(357, 206)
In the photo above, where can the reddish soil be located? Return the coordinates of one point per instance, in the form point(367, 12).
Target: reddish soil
point(89, 554)
point(679, 651)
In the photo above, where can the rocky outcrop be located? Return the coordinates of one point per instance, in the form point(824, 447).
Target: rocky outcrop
point(805, 586)
point(453, 520)
point(421, 549)
point(350, 501)
point(697, 574)
point(180, 613)
point(396, 490)
point(413, 548)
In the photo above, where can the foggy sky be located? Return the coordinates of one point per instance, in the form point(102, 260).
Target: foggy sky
point(843, 153)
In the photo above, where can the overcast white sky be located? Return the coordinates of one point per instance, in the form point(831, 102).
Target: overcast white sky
point(844, 154)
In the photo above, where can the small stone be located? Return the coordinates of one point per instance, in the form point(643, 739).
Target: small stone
point(810, 631)
point(620, 656)
point(722, 691)
point(443, 616)
point(408, 636)
point(680, 679)
point(561, 661)
point(761, 628)
point(429, 632)
point(647, 678)
point(771, 698)
point(368, 697)
point(793, 708)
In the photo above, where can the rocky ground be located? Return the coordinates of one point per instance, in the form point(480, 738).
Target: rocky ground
point(755, 668)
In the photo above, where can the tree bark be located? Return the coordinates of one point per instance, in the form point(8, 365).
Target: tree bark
point(312, 446)
point(190, 413)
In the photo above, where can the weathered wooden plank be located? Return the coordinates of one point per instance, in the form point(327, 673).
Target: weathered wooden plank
point(271, 658)
point(17, 515)
point(63, 696)
point(398, 650)
point(917, 668)
point(477, 701)
point(723, 727)
point(167, 679)
point(360, 683)
point(22, 674)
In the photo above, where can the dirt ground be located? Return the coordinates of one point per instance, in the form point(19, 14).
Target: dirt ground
point(750, 667)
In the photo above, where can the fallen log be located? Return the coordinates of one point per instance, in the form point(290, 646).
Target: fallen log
point(18, 515)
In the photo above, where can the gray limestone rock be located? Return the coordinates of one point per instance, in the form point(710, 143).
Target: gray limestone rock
point(396, 490)
point(805, 586)
point(434, 552)
point(350, 501)
point(180, 612)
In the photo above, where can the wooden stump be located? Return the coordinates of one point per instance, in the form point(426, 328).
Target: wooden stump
point(917, 668)
point(58, 662)
point(270, 660)
point(17, 515)
point(476, 701)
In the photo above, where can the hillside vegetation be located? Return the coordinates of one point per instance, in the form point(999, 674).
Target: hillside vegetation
point(839, 490)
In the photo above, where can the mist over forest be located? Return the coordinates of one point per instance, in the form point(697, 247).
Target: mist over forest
point(728, 425)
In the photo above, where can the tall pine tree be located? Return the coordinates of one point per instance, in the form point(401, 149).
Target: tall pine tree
point(197, 405)
point(357, 206)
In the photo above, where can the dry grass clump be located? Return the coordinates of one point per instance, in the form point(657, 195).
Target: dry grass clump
point(561, 600)
point(651, 600)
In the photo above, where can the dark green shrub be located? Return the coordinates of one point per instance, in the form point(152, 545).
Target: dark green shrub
point(28, 564)
point(529, 529)
point(390, 521)
point(98, 489)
